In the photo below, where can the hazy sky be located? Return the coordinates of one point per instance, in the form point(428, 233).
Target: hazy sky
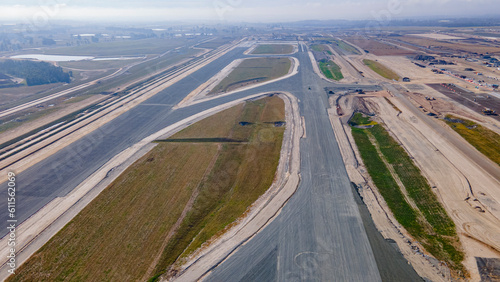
point(238, 10)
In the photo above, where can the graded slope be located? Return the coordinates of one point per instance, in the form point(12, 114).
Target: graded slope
point(273, 49)
point(252, 71)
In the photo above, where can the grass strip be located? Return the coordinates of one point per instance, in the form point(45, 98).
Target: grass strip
point(434, 229)
point(484, 140)
point(381, 69)
point(274, 49)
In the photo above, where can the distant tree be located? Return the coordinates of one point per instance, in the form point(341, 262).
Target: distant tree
point(35, 73)
point(48, 41)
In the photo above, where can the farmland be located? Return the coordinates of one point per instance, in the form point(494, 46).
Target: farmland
point(407, 193)
point(381, 69)
point(252, 71)
point(160, 210)
point(273, 49)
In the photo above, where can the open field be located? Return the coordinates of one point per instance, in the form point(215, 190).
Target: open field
point(123, 47)
point(216, 43)
point(321, 48)
point(273, 49)
point(407, 193)
point(163, 205)
point(437, 36)
point(381, 69)
point(483, 139)
point(331, 70)
point(93, 65)
point(252, 71)
point(378, 48)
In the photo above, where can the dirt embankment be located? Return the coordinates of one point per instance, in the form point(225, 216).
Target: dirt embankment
point(466, 191)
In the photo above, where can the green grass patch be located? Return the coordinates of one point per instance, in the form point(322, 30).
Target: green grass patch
point(273, 49)
point(331, 70)
point(321, 48)
point(484, 140)
point(346, 47)
point(118, 236)
point(381, 69)
point(252, 71)
point(123, 47)
point(428, 223)
point(360, 119)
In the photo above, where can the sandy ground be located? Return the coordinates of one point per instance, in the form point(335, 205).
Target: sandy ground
point(38, 229)
point(29, 126)
point(405, 67)
point(438, 36)
point(350, 74)
point(443, 105)
point(316, 67)
point(50, 97)
point(383, 218)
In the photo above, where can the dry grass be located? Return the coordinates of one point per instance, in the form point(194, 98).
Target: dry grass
point(455, 46)
point(118, 236)
point(381, 70)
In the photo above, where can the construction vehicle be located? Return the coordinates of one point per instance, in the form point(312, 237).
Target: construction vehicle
point(489, 112)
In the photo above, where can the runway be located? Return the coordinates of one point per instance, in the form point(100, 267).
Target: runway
point(319, 235)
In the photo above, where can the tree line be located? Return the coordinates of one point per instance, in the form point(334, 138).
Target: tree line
point(35, 73)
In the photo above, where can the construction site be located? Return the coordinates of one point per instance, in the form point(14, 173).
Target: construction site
point(298, 153)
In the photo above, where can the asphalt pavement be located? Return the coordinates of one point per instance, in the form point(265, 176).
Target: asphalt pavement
point(318, 236)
